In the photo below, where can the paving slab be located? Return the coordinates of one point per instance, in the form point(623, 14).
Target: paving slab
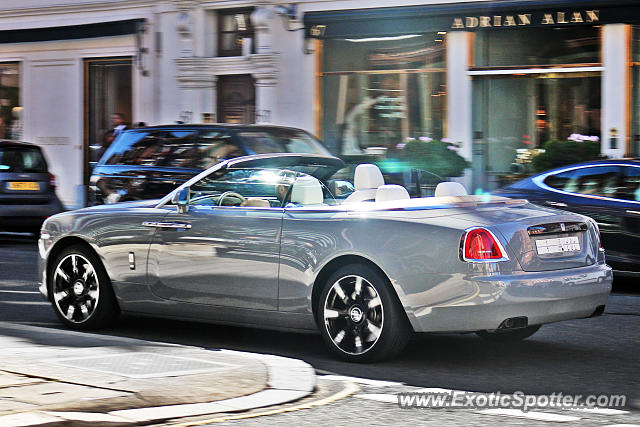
point(49, 374)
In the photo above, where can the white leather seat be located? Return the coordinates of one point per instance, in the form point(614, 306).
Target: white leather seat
point(366, 181)
point(389, 192)
point(450, 188)
point(307, 191)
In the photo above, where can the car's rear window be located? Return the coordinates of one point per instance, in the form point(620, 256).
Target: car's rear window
point(21, 159)
point(197, 149)
point(265, 141)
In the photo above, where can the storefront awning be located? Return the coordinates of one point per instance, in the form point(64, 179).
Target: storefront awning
point(71, 32)
point(480, 15)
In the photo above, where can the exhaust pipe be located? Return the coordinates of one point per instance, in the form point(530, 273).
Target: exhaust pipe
point(514, 323)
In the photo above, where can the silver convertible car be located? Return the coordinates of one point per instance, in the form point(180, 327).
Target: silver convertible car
point(277, 241)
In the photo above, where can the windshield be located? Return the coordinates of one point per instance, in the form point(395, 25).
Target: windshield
point(274, 140)
point(262, 188)
point(21, 159)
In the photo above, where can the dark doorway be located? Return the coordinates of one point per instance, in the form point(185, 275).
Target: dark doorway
point(236, 99)
point(107, 91)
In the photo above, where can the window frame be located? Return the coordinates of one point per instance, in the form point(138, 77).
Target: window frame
point(248, 33)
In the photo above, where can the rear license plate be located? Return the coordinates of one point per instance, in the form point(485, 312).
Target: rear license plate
point(558, 245)
point(23, 186)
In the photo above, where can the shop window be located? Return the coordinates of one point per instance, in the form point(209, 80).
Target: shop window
point(235, 30)
point(10, 109)
point(513, 116)
point(537, 46)
point(380, 92)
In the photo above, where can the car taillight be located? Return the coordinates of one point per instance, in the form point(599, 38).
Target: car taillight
point(481, 245)
point(52, 181)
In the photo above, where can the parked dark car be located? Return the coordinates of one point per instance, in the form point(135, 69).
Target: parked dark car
point(149, 162)
point(27, 189)
point(607, 191)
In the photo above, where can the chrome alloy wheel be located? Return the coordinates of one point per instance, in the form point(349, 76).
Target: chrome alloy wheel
point(353, 315)
point(76, 288)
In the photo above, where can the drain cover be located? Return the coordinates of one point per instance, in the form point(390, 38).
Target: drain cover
point(142, 365)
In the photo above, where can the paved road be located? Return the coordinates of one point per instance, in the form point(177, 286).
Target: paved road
point(588, 356)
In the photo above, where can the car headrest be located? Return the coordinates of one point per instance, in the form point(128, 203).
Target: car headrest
point(367, 176)
point(391, 192)
point(450, 188)
point(306, 191)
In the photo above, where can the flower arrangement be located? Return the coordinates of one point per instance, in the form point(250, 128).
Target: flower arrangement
point(576, 148)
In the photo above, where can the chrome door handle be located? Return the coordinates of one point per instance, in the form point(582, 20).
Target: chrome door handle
point(166, 224)
point(557, 204)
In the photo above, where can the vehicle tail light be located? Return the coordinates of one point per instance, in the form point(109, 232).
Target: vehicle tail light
point(480, 244)
point(52, 181)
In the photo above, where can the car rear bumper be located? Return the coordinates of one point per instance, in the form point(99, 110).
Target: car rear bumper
point(541, 297)
point(27, 216)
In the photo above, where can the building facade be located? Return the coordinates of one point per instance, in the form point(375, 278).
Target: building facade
point(500, 78)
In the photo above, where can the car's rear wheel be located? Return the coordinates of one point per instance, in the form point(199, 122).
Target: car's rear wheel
point(80, 290)
point(509, 335)
point(359, 315)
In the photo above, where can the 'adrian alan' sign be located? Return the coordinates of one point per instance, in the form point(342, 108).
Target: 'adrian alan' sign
point(524, 19)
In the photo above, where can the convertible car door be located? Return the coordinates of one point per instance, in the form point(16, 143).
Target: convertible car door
point(225, 256)
point(219, 255)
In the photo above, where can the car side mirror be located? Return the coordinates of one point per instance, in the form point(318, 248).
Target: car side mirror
point(181, 199)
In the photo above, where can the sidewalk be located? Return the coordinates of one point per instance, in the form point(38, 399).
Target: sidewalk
point(50, 376)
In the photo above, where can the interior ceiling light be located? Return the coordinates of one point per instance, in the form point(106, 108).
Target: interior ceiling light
point(383, 39)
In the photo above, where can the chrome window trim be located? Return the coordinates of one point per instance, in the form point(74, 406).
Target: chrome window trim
point(539, 181)
point(505, 257)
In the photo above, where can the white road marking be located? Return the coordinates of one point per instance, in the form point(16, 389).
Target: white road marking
point(379, 397)
point(18, 292)
point(25, 302)
point(437, 390)
point(365, 381)
point(532, 415)
point(601, 411)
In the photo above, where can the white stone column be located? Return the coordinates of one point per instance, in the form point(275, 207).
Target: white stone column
point(266, 83)
point(199, 93)
point(459, 96)
point(614, 89)
point(264, 63)
point(262, 19)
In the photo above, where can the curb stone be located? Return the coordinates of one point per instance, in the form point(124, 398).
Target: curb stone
point(288, 380)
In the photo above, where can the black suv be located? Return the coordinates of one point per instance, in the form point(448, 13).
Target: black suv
point(149, 162)
point(27, 189)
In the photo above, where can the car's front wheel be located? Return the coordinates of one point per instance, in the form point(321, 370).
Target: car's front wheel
point(359, 315)
point(510, 335)
point(80, 290)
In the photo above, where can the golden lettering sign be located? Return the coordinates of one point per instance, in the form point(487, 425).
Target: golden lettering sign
point(524, 19)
